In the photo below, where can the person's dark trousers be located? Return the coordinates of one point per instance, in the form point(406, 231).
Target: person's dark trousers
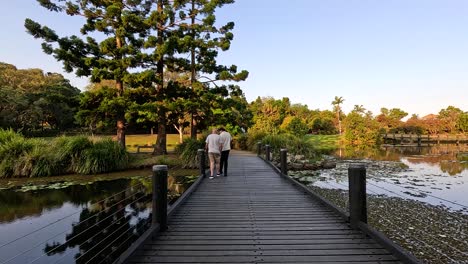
point(224, 161)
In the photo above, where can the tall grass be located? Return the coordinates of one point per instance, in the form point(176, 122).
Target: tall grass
point(8, 135)
point(22, 157)
point(105, 155)
point(188, 152)
point(295, 145)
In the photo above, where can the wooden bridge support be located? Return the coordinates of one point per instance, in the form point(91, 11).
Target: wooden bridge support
point(202, 161)
point(284, 161)
point(357, 195)
point(159, 214)
point(267, 153)
point(259, 148)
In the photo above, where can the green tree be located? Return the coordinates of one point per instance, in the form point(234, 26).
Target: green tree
point(449, 118)
point(360, 129)
point(31, 99)
point(203, 40)
point(462, 123)
point(121, 22)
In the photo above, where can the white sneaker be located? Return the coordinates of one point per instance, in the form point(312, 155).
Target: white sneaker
point(211, 177)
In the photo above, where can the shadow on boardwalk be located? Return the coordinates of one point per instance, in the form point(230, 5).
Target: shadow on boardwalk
point(255, 216)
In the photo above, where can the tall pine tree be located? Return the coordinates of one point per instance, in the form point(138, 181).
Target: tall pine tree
point(122, 27)
point(203, 41)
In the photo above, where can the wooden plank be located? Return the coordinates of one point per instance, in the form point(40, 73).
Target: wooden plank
point(255, 216)
point(206, 247)
point(262, 242)
point(259, 259)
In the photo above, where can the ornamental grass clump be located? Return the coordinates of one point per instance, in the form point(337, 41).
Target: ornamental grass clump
point(23, 157)
point(104, 156)
point(188, 152)
point(10, 153)
point(294, 145)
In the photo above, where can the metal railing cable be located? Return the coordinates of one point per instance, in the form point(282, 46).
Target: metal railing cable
point(415, 239)
point(103, 240)
point(407, 216)
point(82, 232)
point(61, 219)
point(95, 235)
point(420, 216)
point(138, 229)
point(61, 233)
point(406, 196)
point(416, 218)
point(115, 240)
point(433, 196)
point(427, 234)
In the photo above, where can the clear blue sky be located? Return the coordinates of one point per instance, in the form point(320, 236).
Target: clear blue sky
point(409, 54)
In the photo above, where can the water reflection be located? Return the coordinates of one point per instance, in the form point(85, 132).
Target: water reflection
point(436, 175)
point(445, 156)
point(91, 223)
point(108, 228)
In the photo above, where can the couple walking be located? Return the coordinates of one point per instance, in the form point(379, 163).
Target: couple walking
point(218, 147)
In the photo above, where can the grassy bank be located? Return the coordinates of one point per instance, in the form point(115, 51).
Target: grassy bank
point(324, 142)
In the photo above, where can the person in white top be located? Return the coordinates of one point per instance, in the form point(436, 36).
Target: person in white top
point(214, 146)
point(226, 140)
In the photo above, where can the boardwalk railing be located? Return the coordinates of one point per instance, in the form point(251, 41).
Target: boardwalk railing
point(356, 213)
point(431, 233)
point(109, 230)
point(423, 140)
point(160, 211)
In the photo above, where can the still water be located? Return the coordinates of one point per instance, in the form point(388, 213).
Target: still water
point(89, 222)
point(437, 175)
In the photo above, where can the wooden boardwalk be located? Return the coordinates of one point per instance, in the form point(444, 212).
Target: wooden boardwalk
point(255, 216)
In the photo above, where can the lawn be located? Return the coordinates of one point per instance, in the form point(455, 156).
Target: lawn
point(132, 141)
point(325, 142)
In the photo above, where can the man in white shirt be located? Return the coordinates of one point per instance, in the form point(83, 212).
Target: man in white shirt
point(226, 140)
point(214, 146)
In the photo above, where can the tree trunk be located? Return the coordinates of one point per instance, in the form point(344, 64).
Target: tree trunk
point(121, 131)
point(121, 117)
point(120, 90)
point(160, 147)
point(193, 125)
point(161, 139)
point(180, 129)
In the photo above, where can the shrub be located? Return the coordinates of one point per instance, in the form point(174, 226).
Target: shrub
point(104, 156)
point(43, 160)
point(70, 149)
point(8, 135)
point(188, 152)
point(242, 142)
point(294, 145)
point(253, 137)
point(10, 153)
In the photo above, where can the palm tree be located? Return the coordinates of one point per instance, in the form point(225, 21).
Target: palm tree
point(359, 109)
point(336, 103)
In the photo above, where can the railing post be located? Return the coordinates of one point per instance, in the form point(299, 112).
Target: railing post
point(357, 194)
point(267, 152)
point(201, 158)
point(284, 161)
point(259, 148)
point(160, 196)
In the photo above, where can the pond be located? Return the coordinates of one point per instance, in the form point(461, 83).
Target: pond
point(415, 196)
point(74, 221)
point(437, 175)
